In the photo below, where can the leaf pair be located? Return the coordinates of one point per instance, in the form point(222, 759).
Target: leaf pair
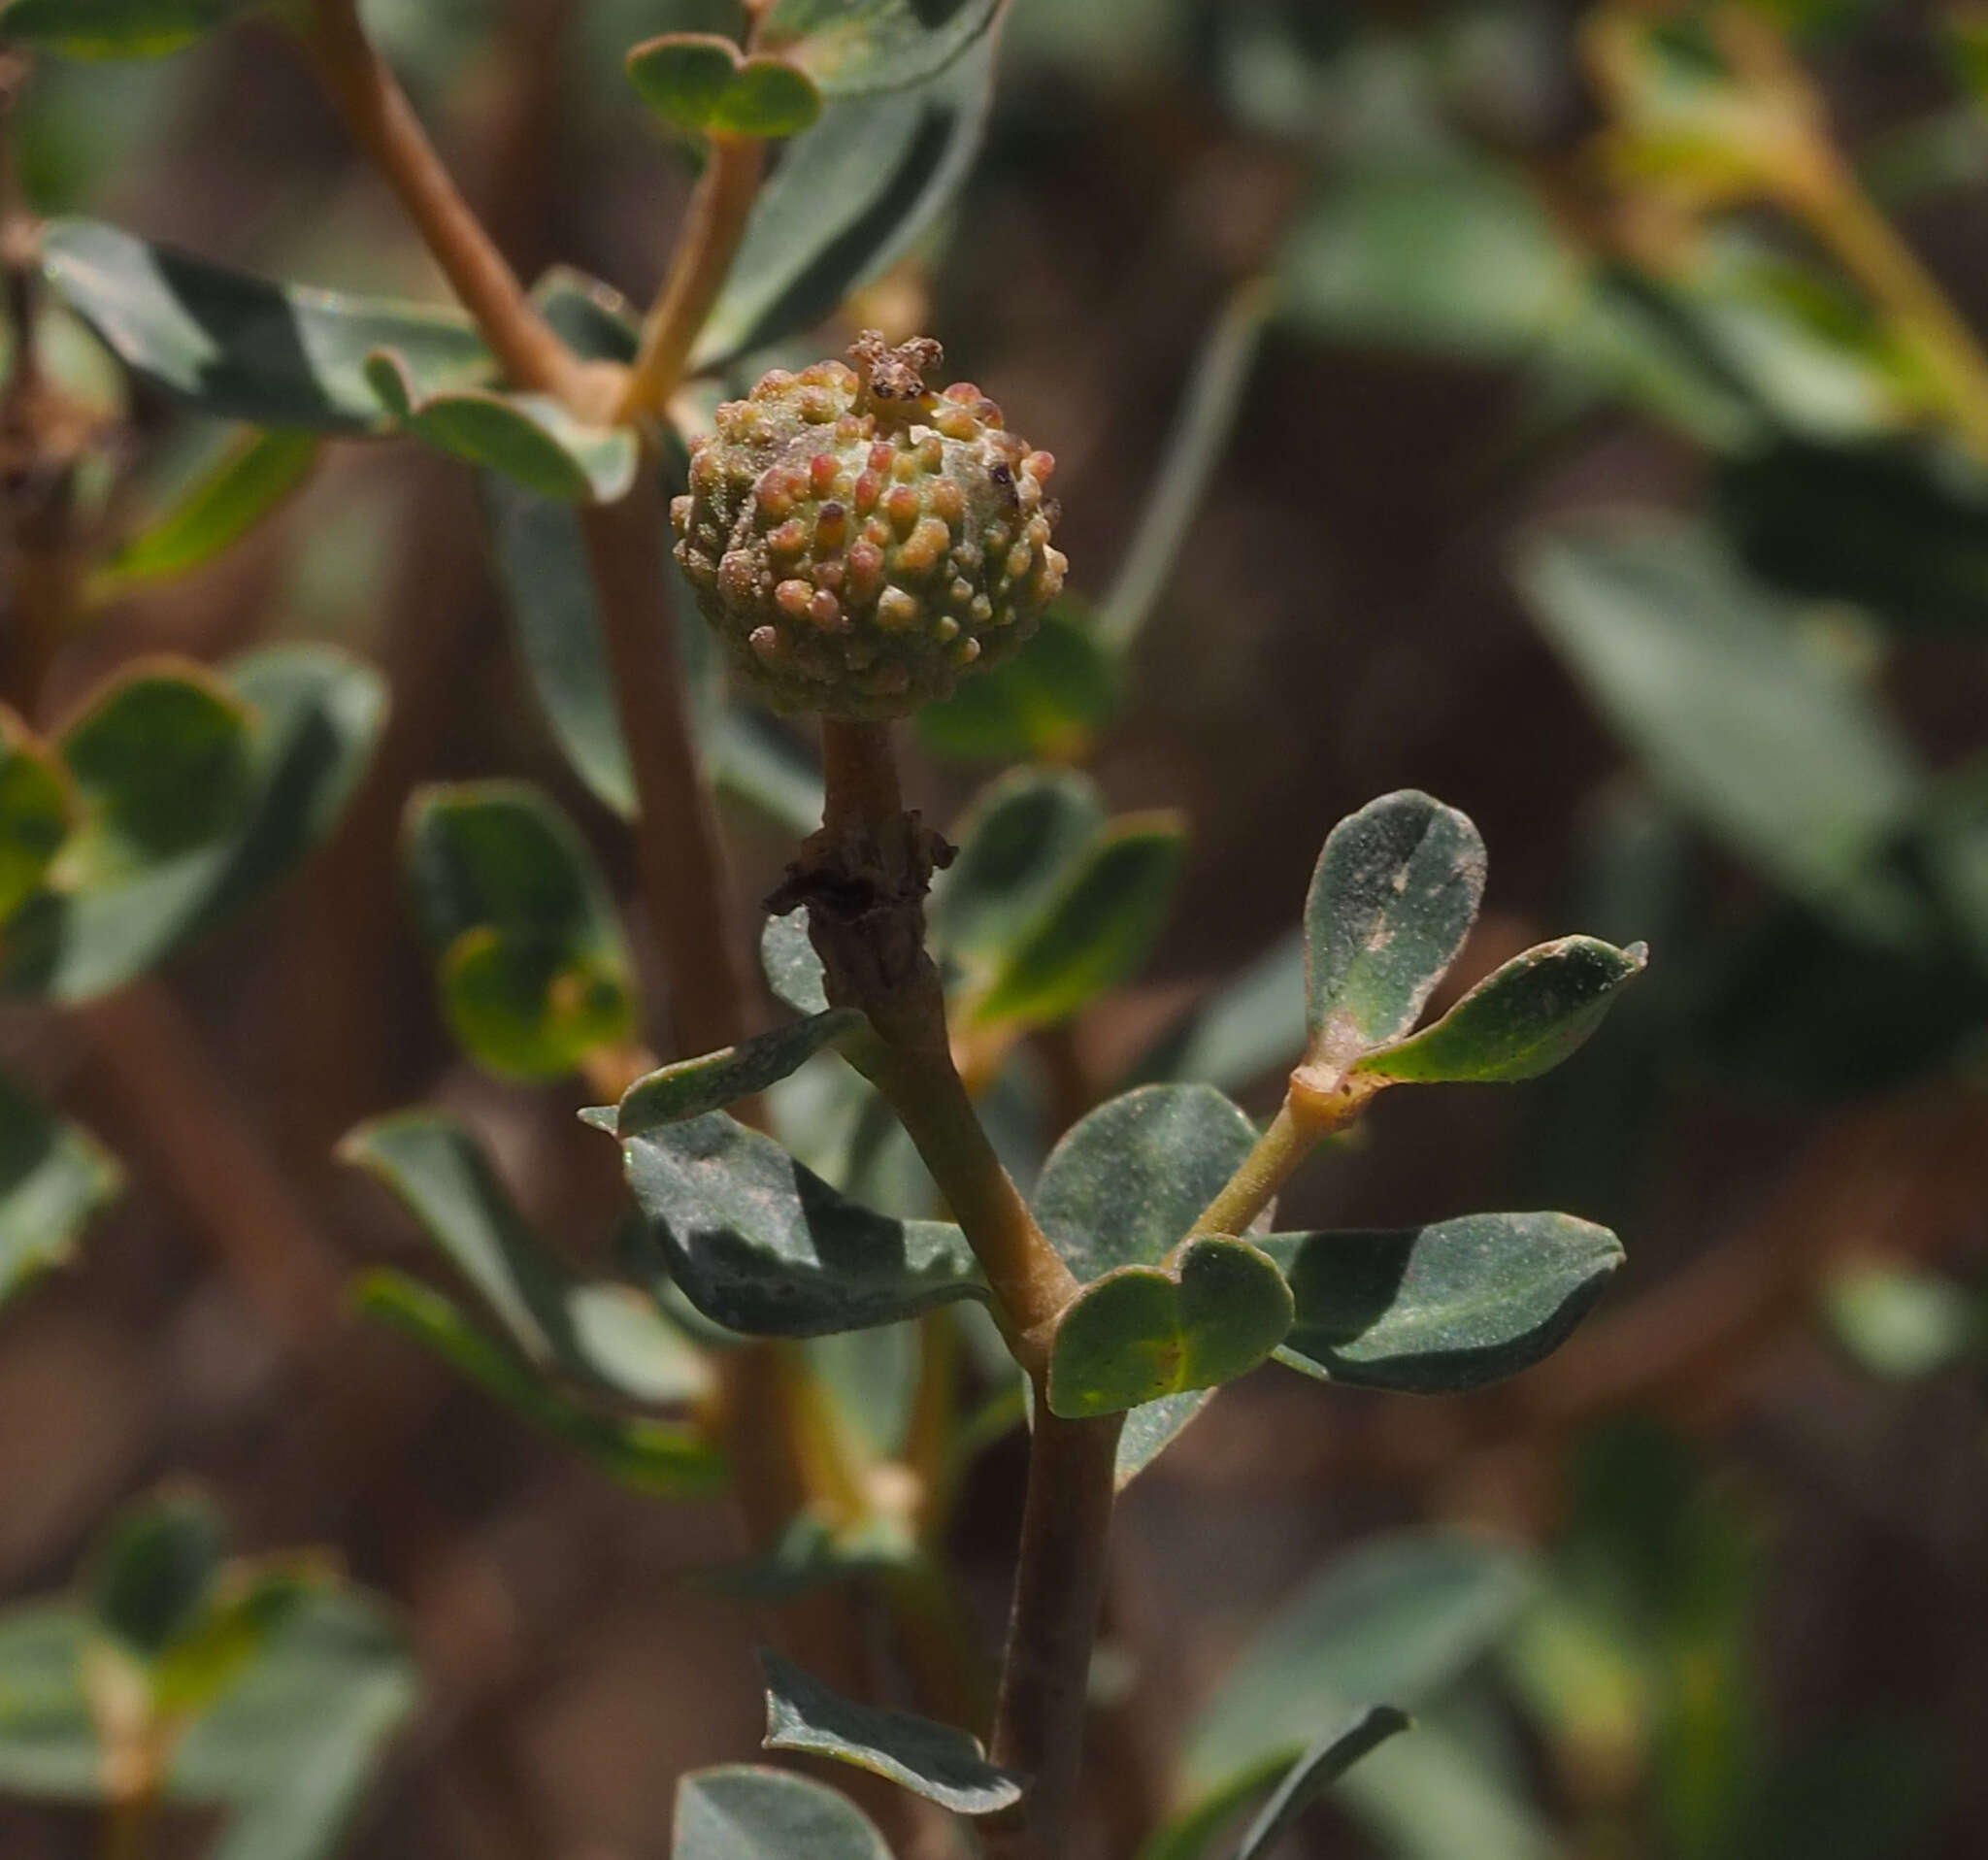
point(183, 794)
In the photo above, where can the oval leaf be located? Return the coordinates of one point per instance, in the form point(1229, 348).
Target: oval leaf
point(693, 1087)
point(744, 1812)
point(1442, 1308)
point(701, 82)
point(119, 28)
point(851, 47)
point(1395, 892)
point(54, 1179)
point(1519, 1022)
point(1315, 1772)
point(793, 971)
point(1096, 930)
point(1049, 704)
point(937, 1761)
point(35, 812)
point(1143, 1332)
point(152, 1574)
point(763, 1246)
point(242, 348)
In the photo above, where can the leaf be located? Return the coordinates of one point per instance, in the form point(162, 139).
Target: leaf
point(1400, 1618)
point(657, 1458)
point(1779, 752)
point(1211, 1314)
point(152, 1573)
point(702, 83)
point(937, 1761)
point(848, 201)
point(242, 348)
point(694, 1087)
point(1048, 703)
point(1315, 1772)
point(744, 1812)
point(197, 795)
point(253, 479)
point(762, 1246)
point(1442, 1308)
point(119, 28)
point(48, 1746)
point(793, 971)
point(54, 1180)
point(535, 971)
point(1395, 893)
point(1433, 1796)
point(35, 812)
point(1521, 1021)
point(606, 1337)
point(853, 47)
point(1019, 843)
point(1096, 930)
point(532, 438)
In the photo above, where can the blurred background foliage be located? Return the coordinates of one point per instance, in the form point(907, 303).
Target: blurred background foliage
point(1569, 410)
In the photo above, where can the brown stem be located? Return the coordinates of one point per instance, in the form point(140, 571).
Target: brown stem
point(710, 242)
point(386, 127)
point(678, 852)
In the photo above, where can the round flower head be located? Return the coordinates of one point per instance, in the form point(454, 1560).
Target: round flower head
point(858, 541)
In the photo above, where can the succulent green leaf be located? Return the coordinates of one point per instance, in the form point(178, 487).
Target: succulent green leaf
point(119, 28)
point(761, 1245)
point(1315, 1772)
point(35, 812)
point(702, 83)
point(1098, 928)
point(1439, 1793)
point(1020, 844)
point(850, 198)
point(1153, 1427)
point(744, 1812)
point(793, 971)
point(54, 1180)
point(1780, 751)
point(854, 46)
point(535, 971)
point(1395, 893)
point(1401, 1617)
point(253, 480)
point(1519, 1022)
point(658, 1458)
point(196, 794)
point(1442, 1308)
point(151, 1577)
point(1048, 703)
point(532, 439)
point(603, 1335)
point(242, 348)
point(693, 1087)
point(937, 1761)
point(1211, 1314)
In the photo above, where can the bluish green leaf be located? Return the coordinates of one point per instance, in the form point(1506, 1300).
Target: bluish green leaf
point(530, 438)
point(54, 1179)
point(937, 1761)
point(1395, 893)
point(251, 480)
point(1434, 1795)
point(853, 47)
point(849, 200)
point(1442, 1309)
point(590, 317)
point(1315, 1772)
point(535, 971)
point(242, 348)
point(1019, 845)
point(1399, 1617)
point(1776, 750)
point(119, 28)
point(152, 1573)
point(744, 1812)
point(693, 1087)
point(1047, 704)
point(1096, 930)
point(702, 83)
point(1214, 1311)
point(1519, 1022)
point(196, 795)
point(760, 1244)
point(660, 1459)
point(36, 812)
point(603, 1335)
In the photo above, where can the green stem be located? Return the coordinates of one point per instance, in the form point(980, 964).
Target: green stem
point(1279, 1151)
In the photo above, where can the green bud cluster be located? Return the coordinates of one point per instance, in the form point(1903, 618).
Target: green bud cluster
point(859, 541)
